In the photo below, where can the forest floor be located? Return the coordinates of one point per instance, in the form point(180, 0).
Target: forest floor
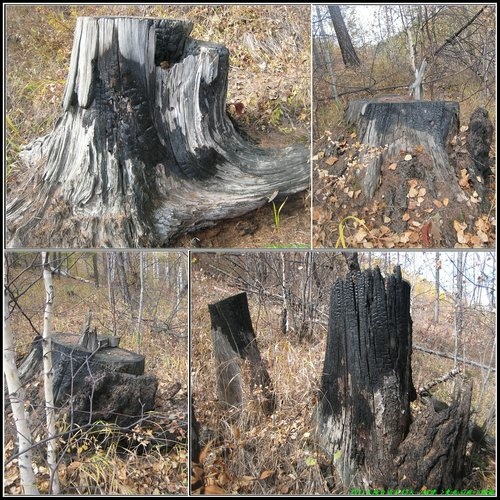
point(268, 92)
point(254, 454)
point(341, 208)
point(105, 459)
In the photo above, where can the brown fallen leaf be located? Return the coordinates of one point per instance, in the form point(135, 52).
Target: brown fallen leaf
point(406, 216)
point(332, 160)
point(445, 201)
point(437, 203)
point(393, 166)
point(265, 474)
point(459, 226)
point(412, 192)
point(213, 489)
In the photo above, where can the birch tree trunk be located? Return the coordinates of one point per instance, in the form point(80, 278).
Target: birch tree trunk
point(144, 150)
point(16, 397)
point(437, 268)
point(110, 266)
point(458, 307)
point(322, 48)
point(48, 374)
point(141, 300)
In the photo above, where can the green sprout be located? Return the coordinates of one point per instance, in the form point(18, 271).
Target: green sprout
point(276, 209)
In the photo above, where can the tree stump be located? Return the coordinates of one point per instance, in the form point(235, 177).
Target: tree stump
point(364, 416)
point(144, 150)
point(234, 340)
point(105, 384)
point(366, 387)
point(432, 455)
point(389, 126)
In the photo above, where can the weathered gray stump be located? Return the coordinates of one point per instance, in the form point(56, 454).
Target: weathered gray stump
point(234, 340)
point(103, 384)
point(144, 150)
point(403, 125)
point(363, 416)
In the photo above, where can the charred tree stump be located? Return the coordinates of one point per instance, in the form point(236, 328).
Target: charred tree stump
point(433, 453)
point(234, 340)
point(391, 125)
point(144, 150)
point(479, 138)
point(364, 417)
point(107, 383)
point(366, 387)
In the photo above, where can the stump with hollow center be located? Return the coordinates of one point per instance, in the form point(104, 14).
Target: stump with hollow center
point(144, 150)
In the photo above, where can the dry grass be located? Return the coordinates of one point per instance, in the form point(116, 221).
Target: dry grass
point(92, 464)
point(249, 453)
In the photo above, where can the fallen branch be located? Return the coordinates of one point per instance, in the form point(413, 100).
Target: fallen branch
point(450, 356)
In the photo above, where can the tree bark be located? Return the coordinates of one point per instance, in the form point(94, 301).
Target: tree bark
point(437, 288)
point(144, 150)
point(404, 125)
point(48, 373)
point(432, 456)
point(234, 340)
point(349, 55)
point(141, 301)
point(364, 416)
point(17, 398)
point(366, 387)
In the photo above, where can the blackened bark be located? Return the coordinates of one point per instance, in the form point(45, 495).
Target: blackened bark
point(364, 413)
point(433, 454)
point(234, 340)
point(144, 150)
point(394, 124)
point(349, 55)
point(363, 417)
point(105, 383)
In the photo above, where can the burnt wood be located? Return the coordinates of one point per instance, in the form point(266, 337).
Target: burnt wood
point(234, 341)
point(144, 150)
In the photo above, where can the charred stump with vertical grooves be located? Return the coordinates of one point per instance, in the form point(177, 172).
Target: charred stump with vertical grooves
point(144, 150)
point(364, 413)
point(234, 340)
point(364, 420)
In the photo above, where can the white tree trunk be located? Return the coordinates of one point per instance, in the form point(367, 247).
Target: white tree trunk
point(458, 306)
point(437, 288)
point(17, 396)
point(325, 52)
point(48, 374)
point(141, 300)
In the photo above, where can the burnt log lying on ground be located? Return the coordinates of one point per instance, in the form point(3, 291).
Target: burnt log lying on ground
point(234, 340)
point(387, 127)
point(364, 415)
point(107, 383)
point(144, 151)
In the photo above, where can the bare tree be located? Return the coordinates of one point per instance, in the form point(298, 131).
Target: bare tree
point(17, 397)
point(436, 288)
point(321, 48)
point(459, 312)
point(349, 55)
point(141, 300)
point(49, 374)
